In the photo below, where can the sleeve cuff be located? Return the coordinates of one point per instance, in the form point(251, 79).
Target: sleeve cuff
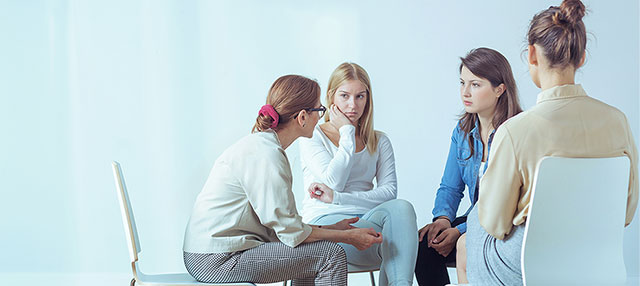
point(347, 130)
point(347, 138)
point(337, 198)
point(443, 213)
point(296, 240)
point(462, 228)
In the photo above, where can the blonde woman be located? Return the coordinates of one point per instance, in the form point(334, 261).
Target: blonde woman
point(341, 161)
point(244, 226)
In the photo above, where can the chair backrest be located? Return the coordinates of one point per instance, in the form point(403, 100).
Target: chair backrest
point(133, 243)
point(574, 230)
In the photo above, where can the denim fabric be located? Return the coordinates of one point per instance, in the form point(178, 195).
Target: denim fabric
point(459, 171)
point(396, 256)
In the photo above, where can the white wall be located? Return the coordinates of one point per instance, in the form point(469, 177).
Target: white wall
point(163, 87)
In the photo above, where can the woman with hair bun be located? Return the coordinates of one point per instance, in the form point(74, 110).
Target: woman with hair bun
point(244, 226)
point(558, 125)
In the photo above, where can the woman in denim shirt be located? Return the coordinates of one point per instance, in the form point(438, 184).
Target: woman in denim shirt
point(489, 94)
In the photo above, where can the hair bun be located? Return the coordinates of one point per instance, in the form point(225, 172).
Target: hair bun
point(572, 11)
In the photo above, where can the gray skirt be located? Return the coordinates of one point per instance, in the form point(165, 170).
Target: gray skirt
point(491, 261)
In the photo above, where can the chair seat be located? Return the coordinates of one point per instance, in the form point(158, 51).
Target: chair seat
point(183, 279)
point(357, 268)
point(133, 243)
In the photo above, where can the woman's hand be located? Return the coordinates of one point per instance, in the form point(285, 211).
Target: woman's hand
point(445, 241)
point(337, 118)
point(433, 229)
point(363, 238)
point(440, 235)
point(343, 224)
point(321, 192)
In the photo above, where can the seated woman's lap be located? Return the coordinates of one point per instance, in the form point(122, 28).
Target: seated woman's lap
point(381, 219)
point(367, 257)
point(491, 261)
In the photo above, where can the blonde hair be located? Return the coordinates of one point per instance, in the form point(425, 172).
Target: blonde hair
point(288, 95)
point(351, 71)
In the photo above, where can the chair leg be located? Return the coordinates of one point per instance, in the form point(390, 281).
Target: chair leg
point(373, 282)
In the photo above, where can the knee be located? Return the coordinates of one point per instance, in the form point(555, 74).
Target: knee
point(423, 245)
point(334, 252)
point(404, 207)
point(461, 246)
point(402, 204)
point(425, 252)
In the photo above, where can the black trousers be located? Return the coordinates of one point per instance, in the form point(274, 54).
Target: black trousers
point(431, 267)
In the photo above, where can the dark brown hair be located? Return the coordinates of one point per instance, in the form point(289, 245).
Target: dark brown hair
point(288, 95)
point(491, 65)
point(561, 33)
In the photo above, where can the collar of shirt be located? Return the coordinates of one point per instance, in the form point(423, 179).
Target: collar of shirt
point(561, 92)
point(273, 134)
point(476, 132)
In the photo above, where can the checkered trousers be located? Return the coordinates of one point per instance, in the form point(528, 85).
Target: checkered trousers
point(317, 263)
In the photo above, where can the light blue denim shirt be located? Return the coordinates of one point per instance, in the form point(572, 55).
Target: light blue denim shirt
point(458, 172)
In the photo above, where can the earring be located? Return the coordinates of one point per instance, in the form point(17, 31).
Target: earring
point(303, 125)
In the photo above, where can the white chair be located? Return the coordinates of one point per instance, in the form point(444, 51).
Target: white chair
point(352, 269)
point(574, 230)
point(133, 243)
point(357, 269)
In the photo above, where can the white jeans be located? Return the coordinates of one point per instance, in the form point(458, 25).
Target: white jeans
point(396, 256)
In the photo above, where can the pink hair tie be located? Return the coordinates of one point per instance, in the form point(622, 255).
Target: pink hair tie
point(268, 109)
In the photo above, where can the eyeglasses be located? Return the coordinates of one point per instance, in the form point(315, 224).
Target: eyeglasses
point(321, 110)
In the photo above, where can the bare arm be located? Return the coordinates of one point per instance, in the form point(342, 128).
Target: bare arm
point(361, 238)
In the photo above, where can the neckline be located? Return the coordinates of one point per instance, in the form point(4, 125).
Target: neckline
point(561, 92)
point(275, 134)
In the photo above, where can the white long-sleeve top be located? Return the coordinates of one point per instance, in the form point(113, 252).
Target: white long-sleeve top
point(348, 173)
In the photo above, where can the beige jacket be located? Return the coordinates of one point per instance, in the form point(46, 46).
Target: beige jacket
point(565, 122)
point(247, 200)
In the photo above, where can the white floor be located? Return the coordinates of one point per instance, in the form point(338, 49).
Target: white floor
point(122, 279)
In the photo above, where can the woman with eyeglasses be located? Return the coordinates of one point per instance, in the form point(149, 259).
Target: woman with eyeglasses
point(341, 161)
point(489, 94)
point(244, 226)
